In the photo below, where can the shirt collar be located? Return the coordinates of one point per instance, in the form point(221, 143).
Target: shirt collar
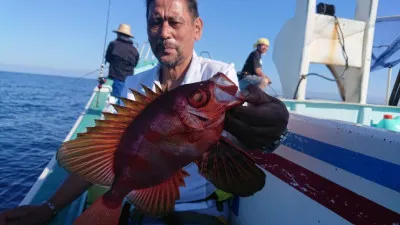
point(192, 74)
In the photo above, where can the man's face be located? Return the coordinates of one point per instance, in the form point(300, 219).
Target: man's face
point(263, 48)
point(172, 31)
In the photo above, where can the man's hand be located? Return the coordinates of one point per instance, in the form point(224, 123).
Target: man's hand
point(26, 215)
point(259, 124)
point(267, 80)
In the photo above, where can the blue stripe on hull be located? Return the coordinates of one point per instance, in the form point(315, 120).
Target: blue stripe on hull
point(370, 168)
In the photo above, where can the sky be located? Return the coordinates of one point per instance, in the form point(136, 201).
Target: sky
point(67, 37)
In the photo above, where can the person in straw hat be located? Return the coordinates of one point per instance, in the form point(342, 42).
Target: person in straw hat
point(123, 58)
point(252, 70)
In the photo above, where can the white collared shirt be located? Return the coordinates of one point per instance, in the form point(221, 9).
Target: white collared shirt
point(197, 187)
point(200, 69)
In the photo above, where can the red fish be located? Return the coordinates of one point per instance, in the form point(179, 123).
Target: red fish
point(140, 152)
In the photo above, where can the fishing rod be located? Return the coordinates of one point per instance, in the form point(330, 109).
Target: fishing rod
point(87, 74)
point(101, 78)
point(273, 90)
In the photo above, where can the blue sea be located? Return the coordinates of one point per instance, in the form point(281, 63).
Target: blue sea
point(36, 114)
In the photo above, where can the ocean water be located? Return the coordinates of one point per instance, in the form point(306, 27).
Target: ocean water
point(36, 114)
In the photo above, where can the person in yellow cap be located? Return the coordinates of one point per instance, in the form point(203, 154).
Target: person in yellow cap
point(252, 70)
point(123, 58)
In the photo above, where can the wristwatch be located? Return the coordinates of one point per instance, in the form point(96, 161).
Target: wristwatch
point(274, 145)
point(51, 206)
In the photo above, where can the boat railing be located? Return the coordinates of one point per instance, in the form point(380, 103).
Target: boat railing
point(146, 46)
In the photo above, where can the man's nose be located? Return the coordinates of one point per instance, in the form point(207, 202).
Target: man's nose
point(165, 30)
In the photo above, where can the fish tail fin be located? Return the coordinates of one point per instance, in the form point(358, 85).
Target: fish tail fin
point(231, 169)
point(105, 210)
point(159, 200)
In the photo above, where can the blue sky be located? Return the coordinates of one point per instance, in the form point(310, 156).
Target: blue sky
point(66, 37)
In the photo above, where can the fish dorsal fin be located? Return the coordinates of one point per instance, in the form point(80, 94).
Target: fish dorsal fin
point(128, 110)
point(117, 117)
point(141, 97)
point(131, 104)
point(159, 90)
point(91, 154)
point(149, 93)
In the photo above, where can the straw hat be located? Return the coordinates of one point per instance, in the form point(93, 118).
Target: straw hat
point(261, 41)
point(124, 29)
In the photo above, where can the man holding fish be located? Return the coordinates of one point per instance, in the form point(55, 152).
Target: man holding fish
point(206, 89)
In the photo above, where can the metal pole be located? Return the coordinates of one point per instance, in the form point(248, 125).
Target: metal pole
point(388, 85)
point(141, 50)
point(147, 54)
point(104, 52)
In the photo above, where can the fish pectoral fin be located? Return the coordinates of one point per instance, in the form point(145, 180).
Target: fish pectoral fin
point(90, 157)
point(231, 169)
point(160, 199)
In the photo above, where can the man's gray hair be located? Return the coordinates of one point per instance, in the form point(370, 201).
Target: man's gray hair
point(192, 6)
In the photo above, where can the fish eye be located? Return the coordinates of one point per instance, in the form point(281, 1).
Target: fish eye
point(199, 98)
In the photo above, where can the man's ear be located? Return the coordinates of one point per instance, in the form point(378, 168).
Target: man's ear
point(198, 26)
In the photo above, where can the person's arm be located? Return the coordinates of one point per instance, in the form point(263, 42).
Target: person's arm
point(260, 73)
point(133, 60)
point(266, 81)
point(109, 51)
point(70, 190)
point(258, 67)
point(136, 58)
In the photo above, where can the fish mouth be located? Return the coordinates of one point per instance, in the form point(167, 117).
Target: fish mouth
point(209, 120)
point(200, 116)
point(226, 91)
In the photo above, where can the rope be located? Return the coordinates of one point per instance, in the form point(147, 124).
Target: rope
point(86, 75)
point(273, 90)
point(346, 58)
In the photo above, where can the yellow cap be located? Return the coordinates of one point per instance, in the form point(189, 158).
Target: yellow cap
point(261, 41)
